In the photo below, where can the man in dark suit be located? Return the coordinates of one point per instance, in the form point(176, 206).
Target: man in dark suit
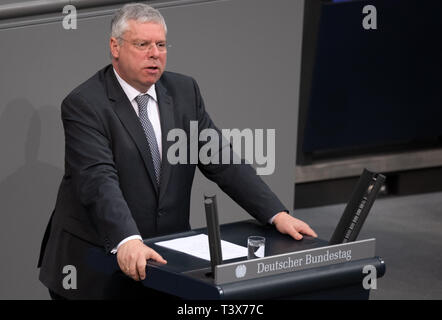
point(118, 186)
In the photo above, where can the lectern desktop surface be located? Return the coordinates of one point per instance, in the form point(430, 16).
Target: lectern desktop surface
point(276, 243)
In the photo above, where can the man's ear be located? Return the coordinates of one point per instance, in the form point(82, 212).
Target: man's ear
point(114, 47)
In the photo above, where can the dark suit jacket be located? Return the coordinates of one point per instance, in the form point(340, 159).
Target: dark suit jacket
point(108, 191)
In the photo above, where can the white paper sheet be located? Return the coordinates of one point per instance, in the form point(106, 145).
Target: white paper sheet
point(198, 246)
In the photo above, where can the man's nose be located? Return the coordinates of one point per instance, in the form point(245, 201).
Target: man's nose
point(153, 51)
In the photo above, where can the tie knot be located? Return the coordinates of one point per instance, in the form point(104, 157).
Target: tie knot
point(142, 100)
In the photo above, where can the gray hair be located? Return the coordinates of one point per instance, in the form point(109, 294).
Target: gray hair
point(134, 11)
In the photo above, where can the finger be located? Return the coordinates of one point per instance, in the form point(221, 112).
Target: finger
point(133, 272)
point(152, 254)
point(294, 234)
point(305, 229)
point(141, 268)
point(122, 263)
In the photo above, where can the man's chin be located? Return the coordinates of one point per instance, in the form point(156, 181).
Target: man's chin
point(152, 79)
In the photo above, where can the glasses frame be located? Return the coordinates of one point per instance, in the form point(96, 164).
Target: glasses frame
point(148, 45)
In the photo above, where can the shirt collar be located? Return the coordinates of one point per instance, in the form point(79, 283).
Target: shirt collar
point(131, 92)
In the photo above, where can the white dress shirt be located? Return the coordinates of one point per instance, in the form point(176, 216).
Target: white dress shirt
point(153, 111)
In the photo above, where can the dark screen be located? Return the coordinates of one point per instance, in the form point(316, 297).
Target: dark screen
point(376, 87)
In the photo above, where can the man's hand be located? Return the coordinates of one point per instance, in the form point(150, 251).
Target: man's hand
point(286, 224)
point(132, 257)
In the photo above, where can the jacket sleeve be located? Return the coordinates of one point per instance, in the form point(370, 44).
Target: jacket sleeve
point(90, 166)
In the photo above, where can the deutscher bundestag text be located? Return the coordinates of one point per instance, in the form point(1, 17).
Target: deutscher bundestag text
point(308, 259)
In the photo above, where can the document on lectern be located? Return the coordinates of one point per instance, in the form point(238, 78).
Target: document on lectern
point(198, 246)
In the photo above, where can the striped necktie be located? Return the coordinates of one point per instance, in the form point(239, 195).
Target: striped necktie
point(142, 101)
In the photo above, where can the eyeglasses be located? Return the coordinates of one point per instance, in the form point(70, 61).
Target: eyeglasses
point(146, 46)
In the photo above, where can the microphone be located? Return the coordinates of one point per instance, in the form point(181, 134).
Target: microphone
point(357, 209)
point(213, 231)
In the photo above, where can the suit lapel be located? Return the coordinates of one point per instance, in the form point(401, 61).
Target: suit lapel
point(165, 104)
point(131, 122)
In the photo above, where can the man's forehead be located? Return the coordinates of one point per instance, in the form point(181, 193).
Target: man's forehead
point(135, 26)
